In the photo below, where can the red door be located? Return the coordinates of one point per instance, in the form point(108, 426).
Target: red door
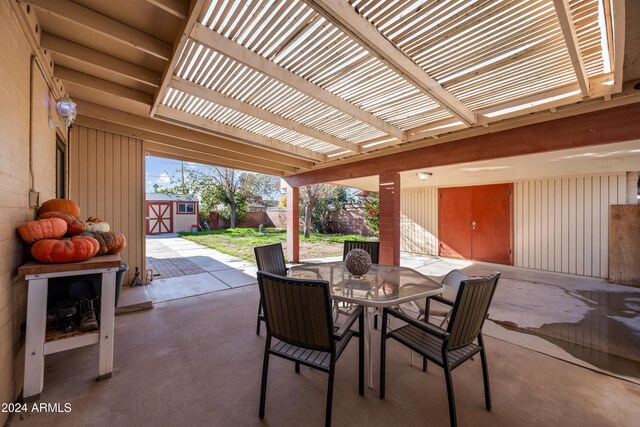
point(476, 223)
point(159, 218)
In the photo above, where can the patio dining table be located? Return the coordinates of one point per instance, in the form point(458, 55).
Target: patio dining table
point(382, 286)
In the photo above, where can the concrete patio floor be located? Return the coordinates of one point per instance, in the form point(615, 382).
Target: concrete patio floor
point(197, 361)
point(585, 321)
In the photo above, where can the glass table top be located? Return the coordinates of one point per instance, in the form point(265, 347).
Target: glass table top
point(381, 286)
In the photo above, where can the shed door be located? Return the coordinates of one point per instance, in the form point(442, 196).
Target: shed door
point(476, 223)
point(159, 218)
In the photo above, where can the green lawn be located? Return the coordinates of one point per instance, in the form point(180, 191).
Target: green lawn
point(241, 241)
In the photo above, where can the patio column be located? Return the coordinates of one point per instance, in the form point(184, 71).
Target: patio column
point(389, 228)
point(293, 224)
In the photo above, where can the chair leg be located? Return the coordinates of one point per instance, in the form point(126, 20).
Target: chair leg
point(361, 354)
point(332, 371)
point(375, 321)
point(265, 370)
point(485, 375)
point(424, 364)
point(383, 352)
point(450, 395)
point(297, 368)
point(259, 312)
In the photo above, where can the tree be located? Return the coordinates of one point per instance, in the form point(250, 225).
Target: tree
point(229, 187)
point(372, 211)
point(318, 201)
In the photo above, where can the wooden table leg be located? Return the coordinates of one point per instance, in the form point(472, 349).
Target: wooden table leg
point(34, 347)
point(107, 323)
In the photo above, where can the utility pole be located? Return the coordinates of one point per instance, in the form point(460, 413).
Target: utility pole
point(182, 168)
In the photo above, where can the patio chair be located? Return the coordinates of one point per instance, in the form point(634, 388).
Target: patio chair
point(269, 258)
point(373, 249)
point(453, 280)
point(298, 314)
point(452, 347)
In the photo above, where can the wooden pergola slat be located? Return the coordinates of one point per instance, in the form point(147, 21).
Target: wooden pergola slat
point(565, 18)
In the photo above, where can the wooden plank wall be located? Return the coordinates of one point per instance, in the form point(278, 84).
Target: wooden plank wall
point(419, 221)
point(107, 180)
point(624, 250)
point(561, 224)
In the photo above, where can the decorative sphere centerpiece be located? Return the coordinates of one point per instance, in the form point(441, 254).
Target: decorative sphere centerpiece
point(358, 262)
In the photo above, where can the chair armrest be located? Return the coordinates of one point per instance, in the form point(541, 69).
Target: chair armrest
point(426, 327)
point(348, 323)
point(441, 300)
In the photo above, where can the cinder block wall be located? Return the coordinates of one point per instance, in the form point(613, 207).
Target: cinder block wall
point(15, 106)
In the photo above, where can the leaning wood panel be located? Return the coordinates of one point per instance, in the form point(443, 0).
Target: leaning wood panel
point(107, 176)
point(624, 251)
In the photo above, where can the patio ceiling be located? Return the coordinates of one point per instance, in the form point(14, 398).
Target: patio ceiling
point(315, 82)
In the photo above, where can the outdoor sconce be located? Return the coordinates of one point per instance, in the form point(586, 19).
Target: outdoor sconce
point(66, 110)
point(423, 176)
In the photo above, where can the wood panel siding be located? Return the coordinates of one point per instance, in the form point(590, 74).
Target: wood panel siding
point(419, 221)
point(561, 224)
point(624, 251)
point(107, 180)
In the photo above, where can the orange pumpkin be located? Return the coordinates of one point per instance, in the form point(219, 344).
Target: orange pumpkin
point(74, 226)
point(75, 249)
point(114, 241)
point(60, 205)
point(32, 231)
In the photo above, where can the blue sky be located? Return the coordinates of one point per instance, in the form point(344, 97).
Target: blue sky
point(160, 170)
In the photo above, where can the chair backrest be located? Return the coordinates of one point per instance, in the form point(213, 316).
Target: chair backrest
point(297, 311)
point(372, 248)
point(454, 278)
point(270, 258)
point(470, 310)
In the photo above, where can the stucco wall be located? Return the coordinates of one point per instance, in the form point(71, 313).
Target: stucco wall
point(15, 103)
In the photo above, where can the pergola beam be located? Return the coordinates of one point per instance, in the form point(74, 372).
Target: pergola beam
point(178, 46)
point(222, 129)
point(346, 18)
point(227, 147)
point(178, 8)
point(95, 22)
point(204, 158)
point(563, 11)
point(87, 56)
point(244, 107)
point(104, 86)
point(239, 53)
point(183, 147)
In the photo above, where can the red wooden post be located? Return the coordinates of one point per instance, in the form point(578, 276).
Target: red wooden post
point(293, 224)
point(389, 228)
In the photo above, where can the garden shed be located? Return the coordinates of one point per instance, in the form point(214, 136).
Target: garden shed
point(170, 213)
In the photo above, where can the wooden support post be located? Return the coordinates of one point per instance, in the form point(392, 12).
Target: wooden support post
point(389, 228)
point(293, 224)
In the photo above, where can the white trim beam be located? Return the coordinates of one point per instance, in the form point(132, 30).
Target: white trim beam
point(618, 24)
point(239, 53)
point(346, 18)
point(244, 107)
point(95, 22)
point(178, 46)
point(164, 112)
point(105, 86)
point(88, 56)
point(563, 11)
point(228, 147)
point(169, 153)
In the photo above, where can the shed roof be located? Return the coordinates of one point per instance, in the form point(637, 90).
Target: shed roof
point(157, 197)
